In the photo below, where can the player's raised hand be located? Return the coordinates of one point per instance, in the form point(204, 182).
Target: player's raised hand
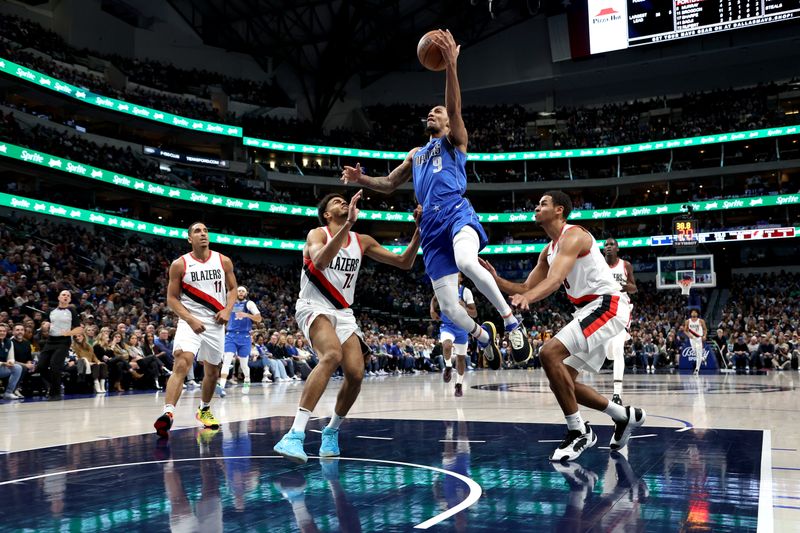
point(418, 214)
point(520, 301)
point(352, 209)
point(444, 40)
point(488, 266)
point(351, 174)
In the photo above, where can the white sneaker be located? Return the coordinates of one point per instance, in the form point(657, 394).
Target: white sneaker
point(574, 444)
point(623, 430)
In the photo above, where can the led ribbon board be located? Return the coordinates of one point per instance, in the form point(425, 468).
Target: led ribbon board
point(22, 203)
point(28, 155)
point(84, 95)
point(534, 155)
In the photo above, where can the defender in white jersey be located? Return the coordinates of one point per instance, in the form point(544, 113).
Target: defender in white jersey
point(697, 331)
point(332, 258)
point(201, 291)
point(623, 274)
point(573, 259)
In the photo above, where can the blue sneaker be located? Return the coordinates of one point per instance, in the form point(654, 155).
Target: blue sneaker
point(221, 391)
point(291, 446)
point(330, 443)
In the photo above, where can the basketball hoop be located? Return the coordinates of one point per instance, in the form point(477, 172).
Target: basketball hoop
point(686, 286)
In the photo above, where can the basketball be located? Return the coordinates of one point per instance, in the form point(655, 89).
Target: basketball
point(429, 54)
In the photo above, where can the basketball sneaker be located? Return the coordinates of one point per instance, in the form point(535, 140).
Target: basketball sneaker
point(329, 447)
point(623, 429)
point(291, 446)
point(448, 374)
point(459, 390)
point(206, 417)
point(163, 424)
point(491, 350)
point(574, 444)
point(617, 399)
point(521, 350)
point(221, 391)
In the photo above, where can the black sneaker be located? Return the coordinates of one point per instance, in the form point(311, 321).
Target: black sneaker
point(163, 424)
point(616, 399)
point(491, 351)
point(574, 444)
point(447, 375)
point(623, 430)
point(521, 350)
point(459, 390)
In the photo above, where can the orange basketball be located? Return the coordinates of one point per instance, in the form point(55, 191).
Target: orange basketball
point(429, 54)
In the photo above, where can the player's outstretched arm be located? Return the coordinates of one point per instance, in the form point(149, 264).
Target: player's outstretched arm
point(222, 317)
point(382, 184)
point(443, 39)
point(321, 252)
point(536, 275)
point(630, 287)
point(375, 251)
point(176, 272)
point(570, 246)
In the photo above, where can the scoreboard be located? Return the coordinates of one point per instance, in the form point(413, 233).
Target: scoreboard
point(620, 24)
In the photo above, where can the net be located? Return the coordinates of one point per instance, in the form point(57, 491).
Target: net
point(686, 286)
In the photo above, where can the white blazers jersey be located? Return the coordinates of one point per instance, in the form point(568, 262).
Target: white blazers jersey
point(335, 286)
point(203, 290)
point(696, 327)
point(590, 277)
point(619, 273)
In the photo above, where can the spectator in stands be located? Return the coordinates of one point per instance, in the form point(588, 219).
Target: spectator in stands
point(9, 368)
point(89, 363)
point(741, 354)
point(164, 346)
point(23, 353)
point(753, 349)
point(766, 352)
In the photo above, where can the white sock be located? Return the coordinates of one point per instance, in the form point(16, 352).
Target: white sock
point(335, 421)
point(466, 245)
point(616, 412)
point(448, 363)
point(459, 379)
point(169, 408)
point(245, 368)
point(222, 382)
point(301, 419)
point(575, 422)
point(204, 405)
point(618, 387)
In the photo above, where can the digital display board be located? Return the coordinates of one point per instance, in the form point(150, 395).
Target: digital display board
point(620, 24)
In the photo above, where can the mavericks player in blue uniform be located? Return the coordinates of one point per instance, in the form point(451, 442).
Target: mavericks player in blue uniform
point(237, 337)
point(450, 230)
point(453, 338)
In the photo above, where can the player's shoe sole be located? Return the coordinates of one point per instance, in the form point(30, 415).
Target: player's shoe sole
point(521, 350)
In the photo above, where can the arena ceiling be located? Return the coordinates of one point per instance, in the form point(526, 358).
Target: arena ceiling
point(326, 44)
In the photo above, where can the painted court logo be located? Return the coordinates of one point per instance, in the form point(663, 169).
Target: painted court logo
point(607, 14)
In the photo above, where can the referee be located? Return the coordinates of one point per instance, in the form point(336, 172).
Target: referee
point(64, 324)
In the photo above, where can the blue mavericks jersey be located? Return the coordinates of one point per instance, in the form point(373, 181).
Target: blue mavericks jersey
point(440, 176)
point(239, 326)
point(446, 322)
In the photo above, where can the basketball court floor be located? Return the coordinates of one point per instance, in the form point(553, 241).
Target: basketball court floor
point(718, 453)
